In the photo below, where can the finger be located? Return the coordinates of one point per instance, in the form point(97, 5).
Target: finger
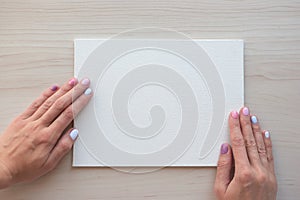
point(70, 113)
point(62, 147)
point(50, 101)
point(237, 142)
point(248, 136)
point(268, 145)
point(259, 140)
point(39, 101)
point(224, 170)
point(64, 101)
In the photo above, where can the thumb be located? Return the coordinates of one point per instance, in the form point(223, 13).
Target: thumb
point(223, 176)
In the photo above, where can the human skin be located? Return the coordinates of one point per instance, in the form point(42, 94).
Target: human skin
point(35, 141)
point(246, 168)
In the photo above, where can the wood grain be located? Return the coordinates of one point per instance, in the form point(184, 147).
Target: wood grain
point(36, 50)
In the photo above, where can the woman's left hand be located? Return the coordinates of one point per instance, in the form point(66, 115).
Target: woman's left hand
point(35, 142)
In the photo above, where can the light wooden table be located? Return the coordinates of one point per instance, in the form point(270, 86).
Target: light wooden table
point(36, 50)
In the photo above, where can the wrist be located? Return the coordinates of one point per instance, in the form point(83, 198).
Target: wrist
point(5, 176)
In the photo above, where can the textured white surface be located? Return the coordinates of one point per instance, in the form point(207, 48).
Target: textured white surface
point(227, 57)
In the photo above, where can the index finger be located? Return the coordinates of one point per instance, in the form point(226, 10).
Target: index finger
point(237, 141)
point(38, 102)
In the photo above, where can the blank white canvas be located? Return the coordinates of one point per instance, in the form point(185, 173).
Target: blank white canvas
point(105, 141)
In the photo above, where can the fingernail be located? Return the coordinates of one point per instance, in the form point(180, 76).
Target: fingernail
point(224, 148)
point(85, 81)
point(234, 114)
point(253, 119)
point(245, 111)
point(88, 91)
point(54, 88)
point(267, 134)
point(72, 82)
point(74, 134)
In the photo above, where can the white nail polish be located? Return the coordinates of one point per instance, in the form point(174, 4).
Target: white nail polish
point(254, 119)
point(267, 134)
point(74, 134)
point(88, 91)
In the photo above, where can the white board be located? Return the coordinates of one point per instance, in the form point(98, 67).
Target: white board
point(157, 102)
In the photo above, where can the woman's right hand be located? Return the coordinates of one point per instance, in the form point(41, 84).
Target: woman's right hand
point(246, 170)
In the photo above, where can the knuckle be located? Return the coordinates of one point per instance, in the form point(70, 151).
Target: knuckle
point(263, 154)
point(42, 139)
point(269, 145)
point(246, 176)
point(249, 142)
point(65, 146)
point(19, 122)
point(78, 89)
point(256, 132)
point(35, 105)
point(238, 141)
point(222, 163)
point(256, 128)
point(60, 104)
point(35, 127)
point(48, 104)
point(261, 150)
point(68, 114)
point(245, 122)
point(49, 166)
point(270, 158)
point(46, 95)
point(262, 178)
point(65, 89)
point(235, 126)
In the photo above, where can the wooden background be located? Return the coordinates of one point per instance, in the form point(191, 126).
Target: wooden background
point(36, 50)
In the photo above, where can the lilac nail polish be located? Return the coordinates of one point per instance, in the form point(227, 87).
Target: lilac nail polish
point(245, 111)
point(224, 148)
point(85, 81)
point(54, 88)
